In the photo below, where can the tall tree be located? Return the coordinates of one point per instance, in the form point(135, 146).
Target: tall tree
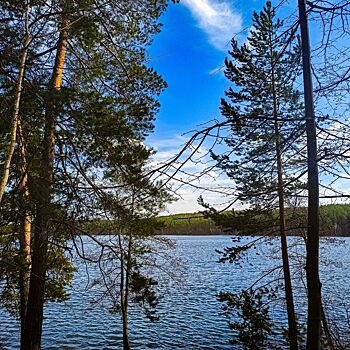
point(264, 110)
point(25, 226)
point(36, 295)
point(313, 231)
point(89, 99)
point(128, 260)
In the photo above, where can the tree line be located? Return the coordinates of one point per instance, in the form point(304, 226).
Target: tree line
point(334, 222)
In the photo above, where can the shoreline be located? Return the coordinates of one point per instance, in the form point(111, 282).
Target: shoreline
point(235, 235)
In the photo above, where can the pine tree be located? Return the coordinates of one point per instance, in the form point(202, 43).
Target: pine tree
point(88, 99)
point(265, 113)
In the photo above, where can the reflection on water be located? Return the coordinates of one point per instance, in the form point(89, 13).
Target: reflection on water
point(190, 314)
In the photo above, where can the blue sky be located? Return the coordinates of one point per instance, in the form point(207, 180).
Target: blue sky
point(193, 43)
point(188, 53)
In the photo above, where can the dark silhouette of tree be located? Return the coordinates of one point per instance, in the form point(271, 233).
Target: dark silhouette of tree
point(313, 230)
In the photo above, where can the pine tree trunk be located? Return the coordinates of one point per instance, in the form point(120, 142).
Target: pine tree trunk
point(15, 115)
point(126, 341)
point(124, 291)
point(25, 228)
point(292, 325)
point(312, 243)
point(34, 315)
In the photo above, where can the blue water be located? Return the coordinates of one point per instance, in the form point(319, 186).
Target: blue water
point(191, 317)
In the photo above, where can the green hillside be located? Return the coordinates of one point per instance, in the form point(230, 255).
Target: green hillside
point(335, 221)
point(188, 224)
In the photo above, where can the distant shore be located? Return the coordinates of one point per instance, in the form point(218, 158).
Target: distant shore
point(335, 222)
point(221, 233)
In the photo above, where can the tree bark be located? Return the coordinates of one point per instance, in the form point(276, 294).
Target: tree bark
point(123, 300)
point(312, 243)
point(292, 325)
point(34, 315)
point(126, 341)
point(15, 115)
point(25, 228)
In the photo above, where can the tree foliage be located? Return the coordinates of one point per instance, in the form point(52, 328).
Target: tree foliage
point(88, 101)
point(250, 322)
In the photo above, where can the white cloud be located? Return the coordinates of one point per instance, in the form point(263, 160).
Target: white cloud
point(217, 19)
point(195, 178)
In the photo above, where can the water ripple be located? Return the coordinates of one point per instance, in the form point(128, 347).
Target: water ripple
point(190, 314)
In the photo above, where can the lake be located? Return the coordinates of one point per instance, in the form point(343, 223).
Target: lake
point(190, 315)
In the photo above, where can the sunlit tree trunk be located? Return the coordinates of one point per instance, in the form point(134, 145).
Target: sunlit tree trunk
point(34, 315)
point(15, 116)
point(25, 227)
point(312, 244)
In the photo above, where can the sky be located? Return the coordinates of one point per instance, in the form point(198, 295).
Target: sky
point(189, 54)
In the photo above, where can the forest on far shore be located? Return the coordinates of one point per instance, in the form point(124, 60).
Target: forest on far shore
point(335, 221)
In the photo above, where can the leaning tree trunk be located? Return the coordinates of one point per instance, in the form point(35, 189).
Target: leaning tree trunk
point(25, 227)
point(312, 243)
point(34, 315)
point(15, 115)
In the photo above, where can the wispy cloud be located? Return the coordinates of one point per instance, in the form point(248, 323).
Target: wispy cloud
point(194, 178)
point(217, 19)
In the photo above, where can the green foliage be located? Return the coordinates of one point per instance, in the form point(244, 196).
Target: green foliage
point(59, 275)
point(333, 216)
point(132, 225)
point(103, 112)
point(143, 293)
point(249, 108)
point(260, 222)
point(254, 222)
point(187, 224)
point(250, 322)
